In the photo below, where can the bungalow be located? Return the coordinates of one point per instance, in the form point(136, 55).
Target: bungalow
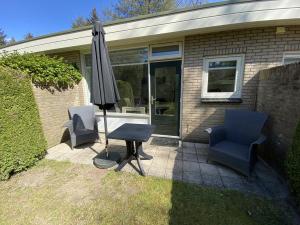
point(180, 69)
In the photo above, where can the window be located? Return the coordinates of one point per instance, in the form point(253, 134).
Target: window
point(131, 73)
point(222, 77)
point(88, 76)
point(291, 57)
point(166, 51)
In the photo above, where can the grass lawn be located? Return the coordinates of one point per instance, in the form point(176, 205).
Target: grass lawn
point(64, 193)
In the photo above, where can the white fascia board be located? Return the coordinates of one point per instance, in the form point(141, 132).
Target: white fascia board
point(202, 20)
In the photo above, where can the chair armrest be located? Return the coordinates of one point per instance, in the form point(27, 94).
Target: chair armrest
point(216, 134)
point(69, 125)
point(259, 141)
point(97, 119)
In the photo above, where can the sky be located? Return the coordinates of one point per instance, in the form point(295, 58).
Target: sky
point(39, 17)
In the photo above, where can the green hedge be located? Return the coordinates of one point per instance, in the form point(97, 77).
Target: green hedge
point(21, 138)
point(44, 71)
point(293, 164)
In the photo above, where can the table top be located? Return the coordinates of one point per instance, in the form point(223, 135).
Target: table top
point(132, 132)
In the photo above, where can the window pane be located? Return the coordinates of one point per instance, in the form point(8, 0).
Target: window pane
point(132, 82)
point(88, 75)
point(129, 56)
point(88, 60)
point(165, 50)
point(289, 60)
point(220, 64)
point(221, 80)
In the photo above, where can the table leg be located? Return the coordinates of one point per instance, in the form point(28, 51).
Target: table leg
point(123, 163)
point(140, 165)
point(134, 152)
point(129, 155)
point(139, 146)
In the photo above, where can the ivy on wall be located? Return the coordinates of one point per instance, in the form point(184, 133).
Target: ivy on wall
point(22, 142)
point(43, 70)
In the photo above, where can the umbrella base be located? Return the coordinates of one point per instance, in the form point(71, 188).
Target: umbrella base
point(101, 161)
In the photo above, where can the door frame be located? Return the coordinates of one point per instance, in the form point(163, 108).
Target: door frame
point(179, 114)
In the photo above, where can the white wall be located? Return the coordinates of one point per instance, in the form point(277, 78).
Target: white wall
point(201, 20)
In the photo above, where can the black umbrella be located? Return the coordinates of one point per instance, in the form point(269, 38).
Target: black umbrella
point(104, 91)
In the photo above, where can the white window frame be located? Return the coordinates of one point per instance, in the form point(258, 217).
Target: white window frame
point(294, 54)
point(87, 94)
point(237, 93)
point(175, 56)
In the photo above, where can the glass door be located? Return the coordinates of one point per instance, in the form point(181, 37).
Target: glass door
point(165, 97)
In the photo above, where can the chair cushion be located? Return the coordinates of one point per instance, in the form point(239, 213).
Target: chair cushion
point(232, 149)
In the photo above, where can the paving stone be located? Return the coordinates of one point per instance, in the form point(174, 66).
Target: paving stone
point(201, 151)
point(202, 158)
point(156, 171)
point(171, 174)
point(228, 172)
point(175, 155)
point(178, 163)
point(162, 154)
point(191, 166)
point(212, 180)
point(235, 183)
point(188, 144)
point(175, 164)
point(189, 150)
point(192, 177)
point(147, 162)
point(277, 190)
point(254, 188)
point(127, 168)
point(201, 146)
point(192, 157)
point(209, 169)
point(157, 162)
point(160, 141)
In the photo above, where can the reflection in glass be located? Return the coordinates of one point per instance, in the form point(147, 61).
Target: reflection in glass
point(220, 64)
point(132, 84)
point(221, 80)
point(165, 93)
point(165, 50)
point(129, 56)
point(131, 73)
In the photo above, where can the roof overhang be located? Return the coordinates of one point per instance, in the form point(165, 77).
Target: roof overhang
point(216, 17)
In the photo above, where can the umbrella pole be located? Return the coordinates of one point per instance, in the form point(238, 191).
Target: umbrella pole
point(105, 131)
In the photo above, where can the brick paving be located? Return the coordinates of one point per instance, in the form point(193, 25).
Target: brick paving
point(186, 163)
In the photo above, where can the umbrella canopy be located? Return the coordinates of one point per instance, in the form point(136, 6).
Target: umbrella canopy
point(104, 91)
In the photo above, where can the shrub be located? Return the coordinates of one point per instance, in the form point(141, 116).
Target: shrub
point(44, 70)
point(21, 138)
point(293, 164)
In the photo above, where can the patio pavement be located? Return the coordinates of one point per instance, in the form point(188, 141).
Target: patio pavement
point(186, 163)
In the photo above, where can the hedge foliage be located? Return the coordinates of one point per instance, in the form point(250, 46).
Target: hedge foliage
point(21, 138)
point(293, 163)
point(44, 71)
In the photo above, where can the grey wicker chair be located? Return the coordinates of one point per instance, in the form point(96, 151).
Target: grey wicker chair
point(82, 125)
point(234, 143)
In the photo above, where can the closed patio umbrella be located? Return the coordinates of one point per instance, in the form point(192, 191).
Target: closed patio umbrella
point(104, 91)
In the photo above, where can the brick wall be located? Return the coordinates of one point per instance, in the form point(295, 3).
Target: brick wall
point(262, 48)
point(279, 96)
point(53, 105)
